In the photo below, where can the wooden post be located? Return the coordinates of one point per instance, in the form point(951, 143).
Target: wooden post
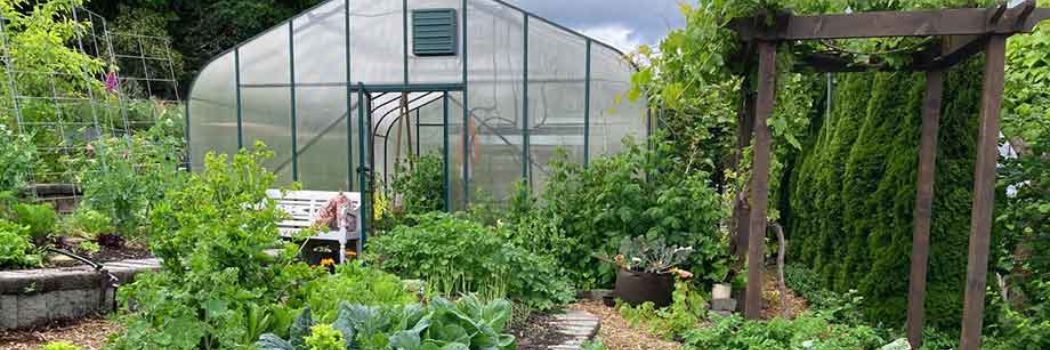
point(745, 126)
point(983, 193)
point(920, 246)
point(767, 53)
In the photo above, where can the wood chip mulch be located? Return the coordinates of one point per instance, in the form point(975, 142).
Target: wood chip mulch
point(537, 332)
point(89, 334)
point(617, 334)
point(771, 305)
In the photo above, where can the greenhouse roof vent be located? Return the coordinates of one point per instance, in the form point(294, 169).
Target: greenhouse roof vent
point(434, 32)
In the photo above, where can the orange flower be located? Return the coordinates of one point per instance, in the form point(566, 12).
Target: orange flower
point(327, 262)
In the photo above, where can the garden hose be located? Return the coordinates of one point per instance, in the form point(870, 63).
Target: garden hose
point(110, 282)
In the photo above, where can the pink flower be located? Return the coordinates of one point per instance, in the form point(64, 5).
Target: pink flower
point(111, 81)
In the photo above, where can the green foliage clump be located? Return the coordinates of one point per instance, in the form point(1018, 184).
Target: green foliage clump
point(217, 288)
point(16, 159)
point(456, 256)
point(420, 184)
point(468, 323)
point(41, 220)
point(324, 337)
point(87, 223)
point(685, 313)
point(126, 177)
point(638, 192)
point(16, 248)
point(354, 284)
point(808, 331)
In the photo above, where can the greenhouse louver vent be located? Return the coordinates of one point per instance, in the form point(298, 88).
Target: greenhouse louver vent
point(434, 32)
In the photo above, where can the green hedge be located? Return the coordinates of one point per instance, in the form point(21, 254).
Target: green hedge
point(852, 192)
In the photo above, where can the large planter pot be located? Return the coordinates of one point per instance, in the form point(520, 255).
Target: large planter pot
point(635, 288)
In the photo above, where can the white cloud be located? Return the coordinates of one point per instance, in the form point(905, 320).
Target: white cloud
point(615, 34)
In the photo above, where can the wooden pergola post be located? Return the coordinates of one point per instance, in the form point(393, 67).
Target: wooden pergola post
point(920, 251)
point(983, 192)
point(767, 54)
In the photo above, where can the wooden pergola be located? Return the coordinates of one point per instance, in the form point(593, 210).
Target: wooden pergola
point(958, 34)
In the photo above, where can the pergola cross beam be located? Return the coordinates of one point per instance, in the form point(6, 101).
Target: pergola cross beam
point(961, 33)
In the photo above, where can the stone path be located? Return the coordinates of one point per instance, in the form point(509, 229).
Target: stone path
point(580, 325)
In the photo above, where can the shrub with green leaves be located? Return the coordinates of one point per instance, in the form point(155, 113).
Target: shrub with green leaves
point(467, 323)
point(808, 331)
point(16, 249)
point(127, 177)
point(457, 256)
point(87, 223)
point(354, 284)
point(217, 288)
point(639, 192)
point(420, 184)
point(41, 220)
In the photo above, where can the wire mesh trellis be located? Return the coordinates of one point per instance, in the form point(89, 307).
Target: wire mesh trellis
point(126, 86)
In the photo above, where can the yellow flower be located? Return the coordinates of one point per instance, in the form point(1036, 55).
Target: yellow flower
point(327, 262)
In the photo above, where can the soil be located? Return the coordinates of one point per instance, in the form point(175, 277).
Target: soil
point(104, 255)
point(771, 306)
point(616, 334)
point(537, 332)
point(89, 334)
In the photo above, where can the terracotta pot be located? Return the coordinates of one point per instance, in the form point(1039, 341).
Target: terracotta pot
point(635, 288)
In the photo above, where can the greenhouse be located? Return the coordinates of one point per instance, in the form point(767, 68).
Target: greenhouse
point(489, 87)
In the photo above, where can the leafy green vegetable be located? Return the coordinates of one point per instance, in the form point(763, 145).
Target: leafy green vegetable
point(16, 250)
point(456, 256)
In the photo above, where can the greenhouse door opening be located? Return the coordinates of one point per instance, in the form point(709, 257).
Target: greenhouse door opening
point(404, 125)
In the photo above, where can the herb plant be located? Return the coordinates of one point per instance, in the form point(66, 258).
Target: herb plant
point(16, 250)
point(41, 220)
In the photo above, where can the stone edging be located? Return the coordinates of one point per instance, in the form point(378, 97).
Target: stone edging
point(35, 297)
point(579, 325)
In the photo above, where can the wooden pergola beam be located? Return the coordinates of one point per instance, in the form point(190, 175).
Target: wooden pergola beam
point(967, 21)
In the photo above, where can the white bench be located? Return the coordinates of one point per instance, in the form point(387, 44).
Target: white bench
point(302, 208)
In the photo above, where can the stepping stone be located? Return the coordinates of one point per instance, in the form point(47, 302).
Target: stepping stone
point(580, 326)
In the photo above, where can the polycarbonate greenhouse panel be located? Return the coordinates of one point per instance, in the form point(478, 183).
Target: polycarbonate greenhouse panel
point(213, 105)
point(557, 76)
point(294, 87)
point(495, 74)
point(613, 115)
point(266, 59)
point(322, 137)
point(320, 44)
point(377, 45)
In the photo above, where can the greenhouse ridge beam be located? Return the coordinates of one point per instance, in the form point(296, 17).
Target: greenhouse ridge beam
point(962, 34)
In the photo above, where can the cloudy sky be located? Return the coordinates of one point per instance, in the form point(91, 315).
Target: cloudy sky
point(621, 23)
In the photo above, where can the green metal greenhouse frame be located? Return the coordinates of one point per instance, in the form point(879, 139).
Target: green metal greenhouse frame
point(518, 85)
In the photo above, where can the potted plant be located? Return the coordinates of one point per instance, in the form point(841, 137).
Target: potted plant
point(646, 270)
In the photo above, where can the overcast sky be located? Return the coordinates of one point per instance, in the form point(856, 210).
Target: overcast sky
point(621, 23)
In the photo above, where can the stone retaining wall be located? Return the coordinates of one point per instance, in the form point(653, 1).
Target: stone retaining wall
point(36, 297)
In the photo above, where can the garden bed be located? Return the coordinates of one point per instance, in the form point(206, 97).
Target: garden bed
point(31, 298)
